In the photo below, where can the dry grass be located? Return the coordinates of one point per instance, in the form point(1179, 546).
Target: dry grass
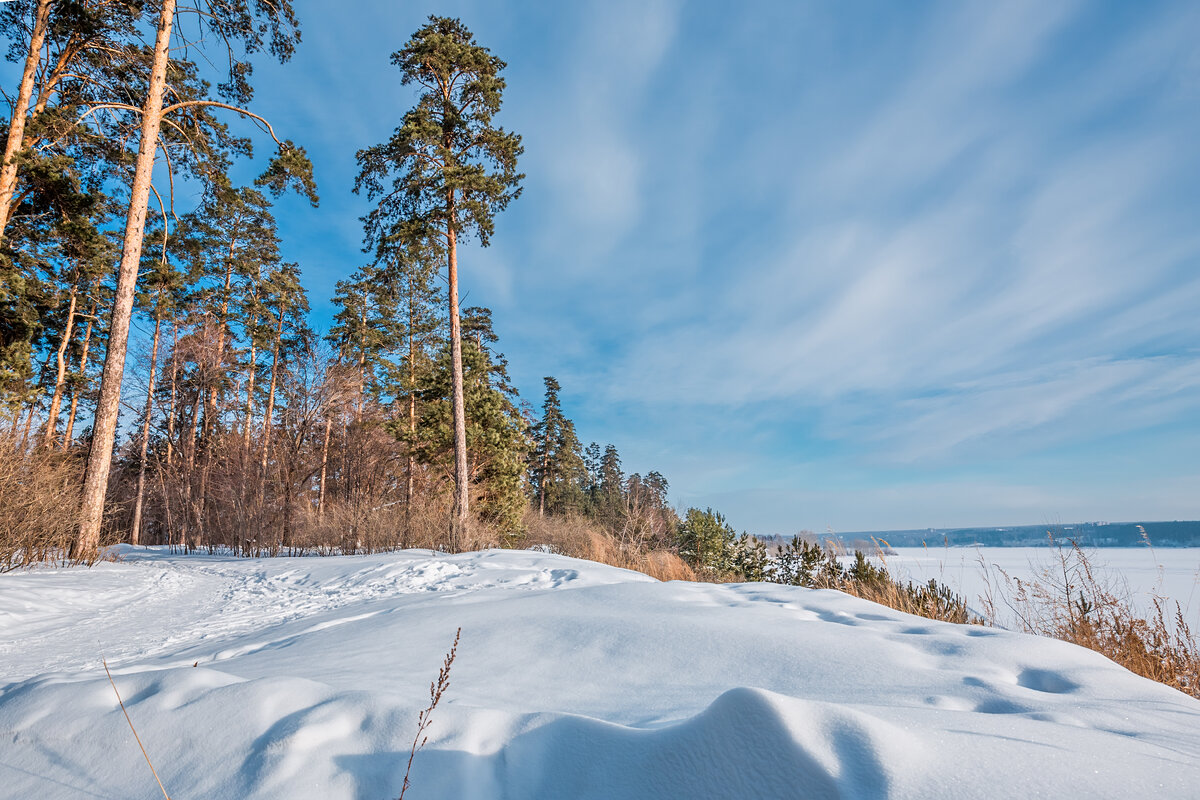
point(579, 537)
point(932, 600)
point(1069, 599)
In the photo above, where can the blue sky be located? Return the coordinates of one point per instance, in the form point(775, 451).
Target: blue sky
point(824, 264)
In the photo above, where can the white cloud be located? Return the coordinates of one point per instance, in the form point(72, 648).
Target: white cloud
point(1030, 291)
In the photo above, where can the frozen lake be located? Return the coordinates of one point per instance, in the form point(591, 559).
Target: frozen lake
point(1141, 572)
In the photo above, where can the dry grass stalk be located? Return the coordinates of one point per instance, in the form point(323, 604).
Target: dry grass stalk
point(436, 690)
point(135, 733)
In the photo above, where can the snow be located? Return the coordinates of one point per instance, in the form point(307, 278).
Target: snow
point(573, 680)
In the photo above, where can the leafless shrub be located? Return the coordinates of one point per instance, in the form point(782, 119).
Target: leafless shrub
point(39, 493)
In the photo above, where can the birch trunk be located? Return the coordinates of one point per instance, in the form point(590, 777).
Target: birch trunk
point(189, 464)
point(543, 477)
point(108, 407)
point(16, 128)
point(141, 481)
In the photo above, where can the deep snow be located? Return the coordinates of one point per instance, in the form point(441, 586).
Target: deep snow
point(573, 680)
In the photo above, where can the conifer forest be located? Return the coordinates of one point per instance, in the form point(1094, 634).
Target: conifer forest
point(233, 423)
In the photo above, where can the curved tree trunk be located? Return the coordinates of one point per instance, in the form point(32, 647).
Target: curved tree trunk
point(60, 378)
point(16, 128)
point(104, 430)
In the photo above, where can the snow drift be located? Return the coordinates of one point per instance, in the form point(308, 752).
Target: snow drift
point(302, 678)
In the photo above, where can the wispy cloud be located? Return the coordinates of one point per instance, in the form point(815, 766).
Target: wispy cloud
point(796, 254)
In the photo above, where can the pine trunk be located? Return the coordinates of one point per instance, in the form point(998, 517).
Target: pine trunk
point(108, 407)
point(412, 408)
point(174, 392)
point(210, 412)
point(461, 511)
point(324, 466)
point(134, 532)
point(16, 128)
point(544, 476)
point(60, 378)
point(28, 427)
point(270, 411)
point(249, 398)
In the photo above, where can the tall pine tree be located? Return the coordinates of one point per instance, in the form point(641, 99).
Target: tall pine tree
point(449, 170)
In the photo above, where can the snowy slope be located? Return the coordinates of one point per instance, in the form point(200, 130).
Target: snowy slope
point(573, 680)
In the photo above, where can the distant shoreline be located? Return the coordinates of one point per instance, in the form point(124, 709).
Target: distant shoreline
point(1085, 534)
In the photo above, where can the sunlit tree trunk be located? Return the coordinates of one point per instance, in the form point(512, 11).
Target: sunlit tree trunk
point(171, 409)
point(324, 464)
point(134, 533)
point(28, 426)
point(108, 406)
point(189, 466)
point(269, 414)
point(461, 511)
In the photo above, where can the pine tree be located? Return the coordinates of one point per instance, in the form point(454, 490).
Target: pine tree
point(255, 26)
point(366, 328)
point(449, 171)
point(288, 303)
point(557, 472)
point(497, 442)
point(706, 540)
point(231, 244)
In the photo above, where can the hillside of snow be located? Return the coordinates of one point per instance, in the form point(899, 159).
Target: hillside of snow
point(302, 678)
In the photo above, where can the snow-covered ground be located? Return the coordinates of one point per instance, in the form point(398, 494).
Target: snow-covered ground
point(1139, 573)
point(302, 678)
